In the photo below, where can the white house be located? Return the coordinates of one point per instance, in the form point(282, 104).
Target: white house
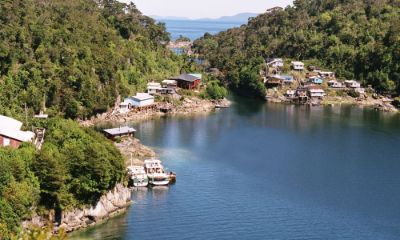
point(298, 66)
point(275, 63)
point(153, 88)
point(352, 84)
point(316, 93)
point(169, 84)
point(140, 100)
point(290, 93)
point(335, 84)
point(327, 74)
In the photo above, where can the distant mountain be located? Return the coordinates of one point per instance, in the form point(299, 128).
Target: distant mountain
point(241, 17)
point(161, 18)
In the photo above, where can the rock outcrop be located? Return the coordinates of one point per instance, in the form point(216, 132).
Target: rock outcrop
point(111, 204)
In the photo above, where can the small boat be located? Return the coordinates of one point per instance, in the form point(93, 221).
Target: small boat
point(172, 177)
point(155, 172)
point(138, 176)
point(221, 106)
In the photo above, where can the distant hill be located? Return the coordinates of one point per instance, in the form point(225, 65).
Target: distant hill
point(241, 17)
point(357, 39)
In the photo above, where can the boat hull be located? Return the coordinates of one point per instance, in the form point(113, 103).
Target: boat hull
point(159, 182)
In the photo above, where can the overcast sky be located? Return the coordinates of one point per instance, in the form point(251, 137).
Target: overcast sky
point(205, 8)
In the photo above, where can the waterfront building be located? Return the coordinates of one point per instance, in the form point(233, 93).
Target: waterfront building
point(139, 100)
point(114, 133)
point(188, 81)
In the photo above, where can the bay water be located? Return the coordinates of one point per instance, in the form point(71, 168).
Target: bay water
point(195, 29)
point(269, 171)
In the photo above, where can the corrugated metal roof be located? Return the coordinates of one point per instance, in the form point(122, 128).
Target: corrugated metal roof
point(7, 123)
point(186, 77)
point(119, 131)
point(18, 135)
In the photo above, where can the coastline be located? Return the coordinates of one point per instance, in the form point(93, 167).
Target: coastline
point(189, 106)
point(380, 104)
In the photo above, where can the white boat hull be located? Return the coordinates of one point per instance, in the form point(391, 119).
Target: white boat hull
point(159, 183)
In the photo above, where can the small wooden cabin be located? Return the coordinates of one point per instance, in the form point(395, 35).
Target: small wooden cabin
point(113, 133)
point(188, 81)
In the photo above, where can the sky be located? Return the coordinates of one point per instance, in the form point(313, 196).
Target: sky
point(205, 8)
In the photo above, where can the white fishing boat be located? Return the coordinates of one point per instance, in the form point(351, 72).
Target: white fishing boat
point(138, 176)
point(156, 173)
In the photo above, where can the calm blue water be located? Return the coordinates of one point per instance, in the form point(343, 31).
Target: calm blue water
point(196, 29)
point(262, 171)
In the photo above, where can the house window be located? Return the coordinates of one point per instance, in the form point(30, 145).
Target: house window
point(6, 142)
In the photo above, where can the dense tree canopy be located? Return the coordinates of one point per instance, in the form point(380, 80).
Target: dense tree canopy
point(355, 38)
point(74, 168)
point(76, 56)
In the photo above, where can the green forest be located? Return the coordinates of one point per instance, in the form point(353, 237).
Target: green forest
point(75, 57)
point(74, 168)
point(72, 58)
point(358, 39)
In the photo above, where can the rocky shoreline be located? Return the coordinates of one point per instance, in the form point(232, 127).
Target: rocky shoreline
point(189, 106)
point(381, 104)
point(113, 203)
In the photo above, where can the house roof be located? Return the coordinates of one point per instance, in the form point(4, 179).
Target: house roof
point(169, 81)
point(297, 63)
point(186, 77)
point(142, 97)
point(7, 123)
point(18, 135)
point(119, 131)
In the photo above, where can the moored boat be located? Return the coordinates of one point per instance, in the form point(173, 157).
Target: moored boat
point(156, 173)
point(138, 176)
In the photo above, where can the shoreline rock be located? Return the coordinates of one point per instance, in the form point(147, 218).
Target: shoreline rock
point(189, 106)
point(113, 203)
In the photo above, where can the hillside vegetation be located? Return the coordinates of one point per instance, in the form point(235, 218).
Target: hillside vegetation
point(358, 39)
point(75, 57)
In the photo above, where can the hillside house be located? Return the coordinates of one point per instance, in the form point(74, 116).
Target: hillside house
point(335, 84)
point(153, 88)
point(169, 84)
point(188, 81)
point(316, 92)
point(316, 80)
point(352, 84)
point(290, 93)
point(11, 134)
point(275, 62)
point(297, 66)
point(327, 74)
point(139, 100)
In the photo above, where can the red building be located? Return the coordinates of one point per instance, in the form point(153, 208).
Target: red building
point(11, 134)
point(188, 81)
